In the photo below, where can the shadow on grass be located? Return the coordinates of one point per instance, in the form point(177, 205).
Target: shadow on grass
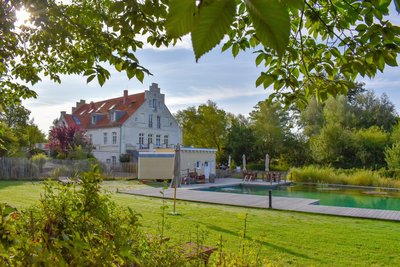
point(4, 183)
point(263, 243)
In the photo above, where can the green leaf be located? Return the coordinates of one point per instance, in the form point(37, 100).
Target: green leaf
point(90, 78)
point(259, 59)
point(381, 62)
point(390, 59)
point(180, 18)
point(298, 4)
point(271, 22)
point(119, 66)
point(235, 49)
point(260, 79)
point(139, 75)
point(269, 79)
point(101, 78)
point(130, 72)
point(361, 28)
point(397, 4)
point(211, 24)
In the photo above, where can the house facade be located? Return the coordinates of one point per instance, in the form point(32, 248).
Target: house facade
point(127, 124)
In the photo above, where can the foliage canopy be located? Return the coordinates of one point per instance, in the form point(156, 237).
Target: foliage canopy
point(304, 45)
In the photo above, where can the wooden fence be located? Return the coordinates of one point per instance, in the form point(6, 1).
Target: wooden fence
point(27, 169)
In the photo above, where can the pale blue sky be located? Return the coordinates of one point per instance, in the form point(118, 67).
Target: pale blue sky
point(217, 76)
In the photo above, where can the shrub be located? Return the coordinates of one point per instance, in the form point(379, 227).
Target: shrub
point(256, 166)
point(124, 158)
point(79, 227)
point(392, 156)
point(39, 160)
point(233, 165)
point(361, 177)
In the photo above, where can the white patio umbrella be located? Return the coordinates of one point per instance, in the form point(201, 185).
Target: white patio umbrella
point(267, 163)
point(176, 180)
point(229, 161)
point(244, 161)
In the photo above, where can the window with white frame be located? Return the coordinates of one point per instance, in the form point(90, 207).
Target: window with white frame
point(150, 120)
point(158, 122)
point(154, 103)
point(114, 160)
point(141, 138)
point(158, 140)
point(114, 138)
point(105, 138)
point(150, 139)
point(166, 140)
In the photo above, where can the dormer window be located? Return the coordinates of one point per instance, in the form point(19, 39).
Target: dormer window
point(113, 115)
point(93, 119)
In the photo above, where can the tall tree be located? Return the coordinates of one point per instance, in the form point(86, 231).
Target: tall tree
point(15, 115)
point(372, 111)
point(240, 140)
point(33, 135)
point(270, 123)
point(370, 146)
point(9, 145)
point(312, 118)
point(203, 127)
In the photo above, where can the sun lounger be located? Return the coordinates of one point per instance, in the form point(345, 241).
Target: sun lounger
point(64, 180)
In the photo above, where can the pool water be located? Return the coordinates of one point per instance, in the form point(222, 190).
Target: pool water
point(327, 195)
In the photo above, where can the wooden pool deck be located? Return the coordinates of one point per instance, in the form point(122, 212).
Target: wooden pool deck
point(254, 201)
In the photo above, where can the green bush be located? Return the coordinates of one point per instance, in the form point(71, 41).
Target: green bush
point(124, 158)
point(256, 166)
point(39, 160)
point(79, 227)
point(392, 156)
point(361, 177)
point(233, 165)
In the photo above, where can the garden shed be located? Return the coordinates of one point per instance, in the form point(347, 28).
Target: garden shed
point(159, 164)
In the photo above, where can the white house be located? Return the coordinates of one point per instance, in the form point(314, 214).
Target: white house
point(126, 124)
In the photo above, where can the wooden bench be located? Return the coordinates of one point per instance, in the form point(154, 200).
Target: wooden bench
point(193, 251)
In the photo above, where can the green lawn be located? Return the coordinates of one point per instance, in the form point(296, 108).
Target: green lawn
point(285, 238)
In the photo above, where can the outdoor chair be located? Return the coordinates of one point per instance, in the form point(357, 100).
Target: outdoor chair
point(64, 180)
point(193, 250)
point(201, 179)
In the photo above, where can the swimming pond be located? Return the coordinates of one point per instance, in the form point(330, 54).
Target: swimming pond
point(370, 198)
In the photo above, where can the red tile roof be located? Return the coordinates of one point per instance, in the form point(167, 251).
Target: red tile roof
point(82, 115)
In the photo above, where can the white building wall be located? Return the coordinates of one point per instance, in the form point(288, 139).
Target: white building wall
point(139, 123)
point(106, 151)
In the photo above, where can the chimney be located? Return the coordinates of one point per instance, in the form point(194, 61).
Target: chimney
point(125, 101)
point(63, 113)
point(82, 102)
point(73, 110)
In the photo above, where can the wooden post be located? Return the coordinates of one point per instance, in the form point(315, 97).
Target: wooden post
point(174, 198)
point(270, 199)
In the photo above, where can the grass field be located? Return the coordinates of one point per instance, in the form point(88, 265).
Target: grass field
point(285, 238)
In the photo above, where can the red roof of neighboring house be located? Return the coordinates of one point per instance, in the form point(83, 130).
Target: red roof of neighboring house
point(125, 106)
